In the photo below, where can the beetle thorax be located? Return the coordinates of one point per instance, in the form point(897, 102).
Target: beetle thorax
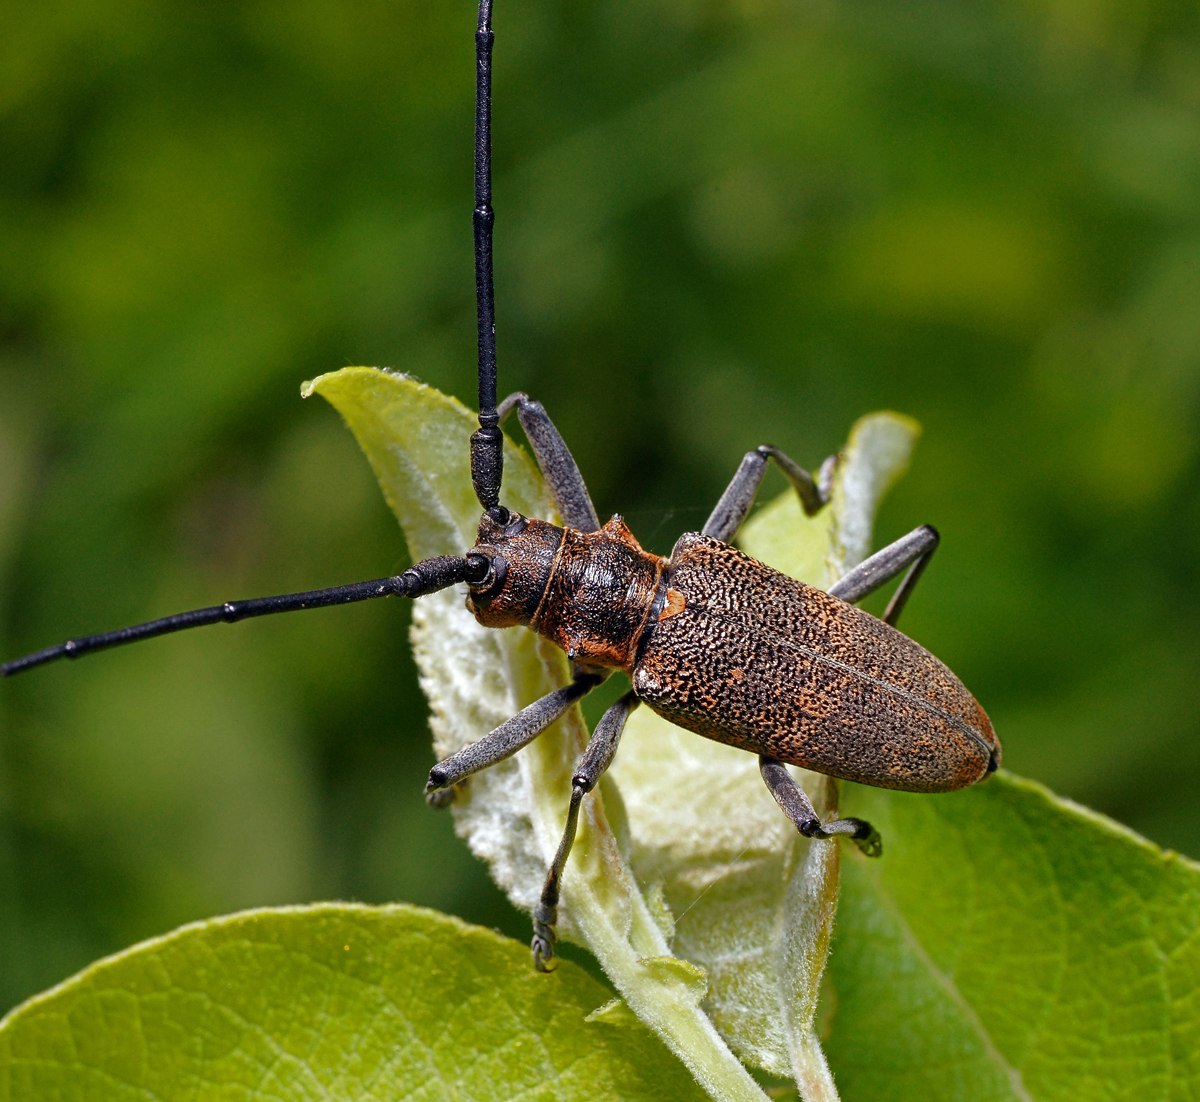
point(589, 592)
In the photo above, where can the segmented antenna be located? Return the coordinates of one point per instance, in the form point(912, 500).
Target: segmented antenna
point(487, 456)
point(420, 578)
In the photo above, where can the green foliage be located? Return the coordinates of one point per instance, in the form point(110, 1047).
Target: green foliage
point(1013, 945)
point(988, 893)
point(335, 1002)
point(1010, 945)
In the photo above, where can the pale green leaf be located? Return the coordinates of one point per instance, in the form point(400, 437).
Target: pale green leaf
point(703, 854)
point(415, 438)
point(512, 815)
point(330, 1002)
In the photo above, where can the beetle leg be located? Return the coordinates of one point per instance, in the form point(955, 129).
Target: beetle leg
point(509, 737)
point(555, 461)
point(597, 756)
point(912, 552)
point(798, 807)
point(739, 495)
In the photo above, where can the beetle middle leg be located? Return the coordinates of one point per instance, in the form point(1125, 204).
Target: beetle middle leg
point(739, 495)
point(910, 553)
point(798, 807)
point(597, 756)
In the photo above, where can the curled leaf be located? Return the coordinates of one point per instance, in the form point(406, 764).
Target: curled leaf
point(703, 851)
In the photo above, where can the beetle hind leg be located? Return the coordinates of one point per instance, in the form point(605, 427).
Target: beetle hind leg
point(799, 809)
point(909, 553)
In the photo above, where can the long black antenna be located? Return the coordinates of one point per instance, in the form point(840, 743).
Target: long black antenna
point(419, 579)
point(487, 455)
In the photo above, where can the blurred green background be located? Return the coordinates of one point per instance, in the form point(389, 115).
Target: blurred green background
point(719, 223)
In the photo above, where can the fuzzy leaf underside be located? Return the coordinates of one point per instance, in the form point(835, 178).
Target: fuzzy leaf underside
point(756, 902)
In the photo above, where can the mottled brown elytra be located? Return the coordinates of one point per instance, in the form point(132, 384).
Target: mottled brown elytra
point(711, 639)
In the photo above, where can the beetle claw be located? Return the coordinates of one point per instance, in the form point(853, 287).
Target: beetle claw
point(438, 793)
point(869, 840)
point(544, 936)
point(440, 797)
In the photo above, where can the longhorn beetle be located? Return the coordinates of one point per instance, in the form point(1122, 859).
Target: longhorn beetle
point(710, 639)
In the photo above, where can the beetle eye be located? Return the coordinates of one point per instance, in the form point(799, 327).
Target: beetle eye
point(478, 568)
point(485, 573)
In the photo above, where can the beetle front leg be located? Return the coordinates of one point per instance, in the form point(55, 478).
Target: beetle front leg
point(597, 756)
point(911, 552)
point(798, 807)
point(555, 461)
point(509, 737)
point(739, 495)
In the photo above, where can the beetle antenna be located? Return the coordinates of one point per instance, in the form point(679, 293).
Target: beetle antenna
point(487, 455)
point(423, 577)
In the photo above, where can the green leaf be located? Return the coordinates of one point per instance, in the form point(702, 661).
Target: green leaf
point(1013, 945)
point(1009, 945)
point(705, 857)
point(332, 1002)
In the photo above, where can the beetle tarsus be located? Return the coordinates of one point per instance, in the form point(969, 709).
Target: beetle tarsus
point(867, 838)
point(544, 936)
point(440, 797)
point(796, 805)
point(726, 518)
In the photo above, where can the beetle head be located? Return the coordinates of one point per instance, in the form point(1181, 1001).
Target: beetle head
point(510, 567)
